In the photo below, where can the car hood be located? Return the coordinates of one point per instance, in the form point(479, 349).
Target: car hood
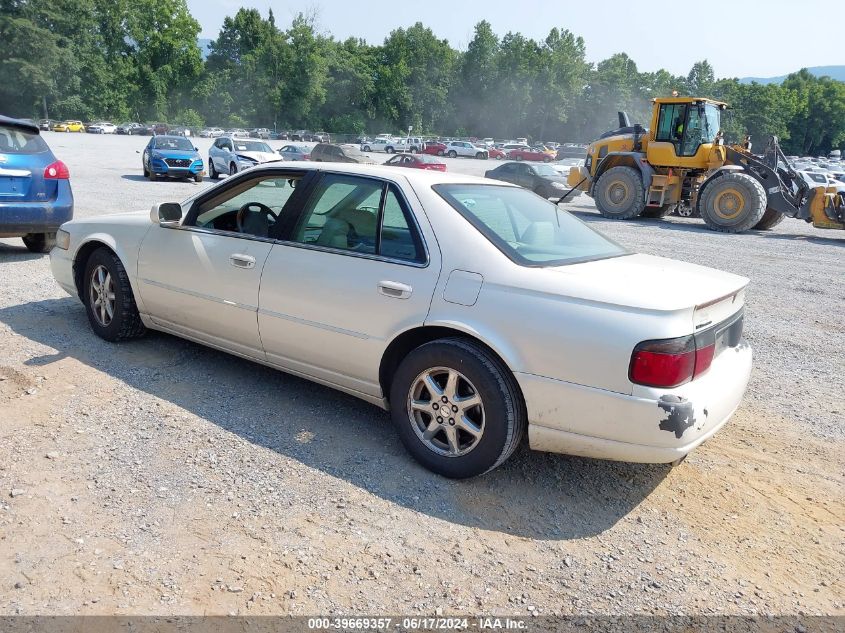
point(177, 153)
point(127, 218)
point(638, 281)
point(261, 157)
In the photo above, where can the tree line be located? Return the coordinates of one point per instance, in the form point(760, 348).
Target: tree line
point(139, 60)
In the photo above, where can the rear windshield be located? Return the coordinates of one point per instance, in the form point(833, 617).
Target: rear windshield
point(531, 231)
point(16, 141)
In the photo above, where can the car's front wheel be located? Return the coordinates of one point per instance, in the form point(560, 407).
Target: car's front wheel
point(39, 242)
point(453, 154)
point(457, 408)
point(108, 298)
point(233, 169)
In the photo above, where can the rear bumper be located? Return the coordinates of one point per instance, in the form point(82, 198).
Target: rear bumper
point(20, 218)
point(652, 426)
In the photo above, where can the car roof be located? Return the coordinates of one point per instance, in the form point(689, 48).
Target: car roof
point(27, 126)
point(415, 176)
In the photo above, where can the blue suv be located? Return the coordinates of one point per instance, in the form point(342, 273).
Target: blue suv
point(172, 156)
point(35, 195)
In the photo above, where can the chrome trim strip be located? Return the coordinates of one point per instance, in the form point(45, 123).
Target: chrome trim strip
point(322, 326)
point(199, 295)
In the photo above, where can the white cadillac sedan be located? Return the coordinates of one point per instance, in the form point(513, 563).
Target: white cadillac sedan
point(471, 309)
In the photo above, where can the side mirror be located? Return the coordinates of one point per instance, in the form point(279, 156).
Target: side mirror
point(166, 212)
point(196, 149)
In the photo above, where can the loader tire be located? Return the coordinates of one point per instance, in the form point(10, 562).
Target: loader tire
point(733, 203)
point(770, 219)
point(658, 212)
point(620, 194)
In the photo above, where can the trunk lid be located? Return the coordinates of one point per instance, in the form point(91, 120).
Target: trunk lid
point(650, 283)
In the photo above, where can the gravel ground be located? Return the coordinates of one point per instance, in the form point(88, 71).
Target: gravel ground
point(163, 477)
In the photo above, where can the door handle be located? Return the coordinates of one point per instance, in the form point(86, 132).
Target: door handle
point(242, 261)
point(395, 289)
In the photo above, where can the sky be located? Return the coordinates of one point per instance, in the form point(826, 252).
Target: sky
point(740, 38)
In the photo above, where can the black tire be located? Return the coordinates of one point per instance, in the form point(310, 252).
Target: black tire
point(151, 175)
point(519, 157)
point(499, 157)
point(125, 322)
point(367, 148)
point(657, 212)
point(39, 242)
point(233, 169)
point(146, 174)
point(684, 210)
point(453, 153)
point(770, 219)
point(732, 203)
point(212, 173)
point(389, 150)
point(620, 194)
point(547, 159)
point(505, 417)
point(198, 178)
point(479, 155)
point(441, 153)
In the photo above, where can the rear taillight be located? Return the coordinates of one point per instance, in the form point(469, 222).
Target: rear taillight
point(306, 156)
point(671, 362)
point(664, 363)
point(56, 171)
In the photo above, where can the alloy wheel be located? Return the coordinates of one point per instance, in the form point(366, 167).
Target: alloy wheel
point(101, 295)
point(446, 411)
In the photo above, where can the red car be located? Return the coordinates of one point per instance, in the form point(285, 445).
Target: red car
point(494, 152)
point(435, 149)
point(416, 161)
point(526, 153)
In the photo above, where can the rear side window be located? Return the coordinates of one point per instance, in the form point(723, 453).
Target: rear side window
point(399, 238)
point(16, 141)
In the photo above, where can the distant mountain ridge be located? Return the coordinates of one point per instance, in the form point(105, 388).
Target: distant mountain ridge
point(834, 72)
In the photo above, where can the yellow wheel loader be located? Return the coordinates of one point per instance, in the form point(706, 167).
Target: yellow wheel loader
point(682, 160)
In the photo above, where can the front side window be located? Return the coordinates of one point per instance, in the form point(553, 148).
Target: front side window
point(527, 229)
point(670, 122)
point(254, 207)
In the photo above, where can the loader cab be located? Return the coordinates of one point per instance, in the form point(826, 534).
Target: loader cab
point(684, 132)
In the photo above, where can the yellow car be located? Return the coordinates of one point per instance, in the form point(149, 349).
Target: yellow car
point(69, 126)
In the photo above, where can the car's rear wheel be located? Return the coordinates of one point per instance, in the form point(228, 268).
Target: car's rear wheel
point(212, 173)
point(108, 298)
point(547, 159)
point(389, 150)
point(479, 155)
point(233, 169)
point(457, 408)
point(453, 154)
point(440, 152)
point(367, 148)
point(39, 242)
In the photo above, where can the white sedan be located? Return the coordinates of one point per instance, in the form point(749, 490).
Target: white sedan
point(471, 309)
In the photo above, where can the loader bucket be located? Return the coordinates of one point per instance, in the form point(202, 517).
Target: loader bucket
point(826, 207)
